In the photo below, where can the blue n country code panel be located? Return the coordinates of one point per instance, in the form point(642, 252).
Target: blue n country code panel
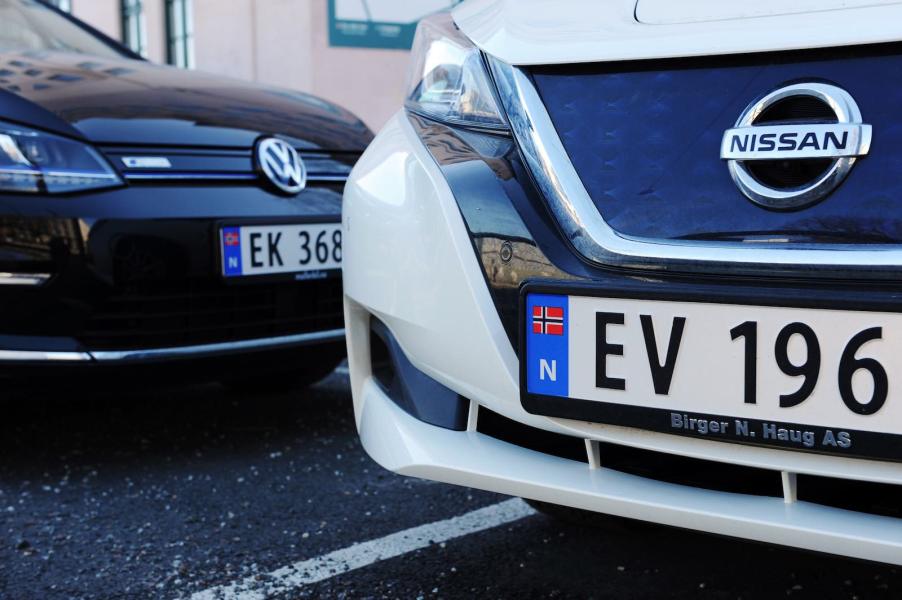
point(547, 368)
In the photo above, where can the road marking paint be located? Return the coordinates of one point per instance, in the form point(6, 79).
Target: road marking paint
point(259, 587)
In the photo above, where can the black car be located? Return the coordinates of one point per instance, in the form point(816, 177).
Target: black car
point(152, 216)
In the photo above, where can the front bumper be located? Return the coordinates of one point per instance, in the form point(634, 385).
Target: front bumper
point(132, 276)
point(410, 263)
point(399, 442)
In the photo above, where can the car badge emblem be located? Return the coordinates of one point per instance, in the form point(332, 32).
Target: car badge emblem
point(146, 162)
point(281, 165)
point(795, 145)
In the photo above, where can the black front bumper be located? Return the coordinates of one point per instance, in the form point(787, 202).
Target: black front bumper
point(133, 276)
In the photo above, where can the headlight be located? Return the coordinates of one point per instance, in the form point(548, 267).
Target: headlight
point(449, 81)
point(36, 162)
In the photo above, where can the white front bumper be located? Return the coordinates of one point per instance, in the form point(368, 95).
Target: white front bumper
point(409, 261)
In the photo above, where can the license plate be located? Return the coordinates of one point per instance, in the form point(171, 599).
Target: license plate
point(302, 249)
point(808, 379)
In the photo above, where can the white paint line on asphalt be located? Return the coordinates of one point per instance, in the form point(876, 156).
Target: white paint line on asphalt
point(357, 556)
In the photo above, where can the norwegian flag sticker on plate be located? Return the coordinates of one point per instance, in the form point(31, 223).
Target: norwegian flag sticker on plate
point(548, 320)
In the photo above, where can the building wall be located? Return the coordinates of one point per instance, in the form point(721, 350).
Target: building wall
point(101, 14)
point(369, 82)
point(105, 16)
point(224, 37)
point(278, 42)
point(155, 14)
point(283, 30)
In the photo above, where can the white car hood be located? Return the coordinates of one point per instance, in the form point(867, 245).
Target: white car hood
point(671, 12)
point(530, 32)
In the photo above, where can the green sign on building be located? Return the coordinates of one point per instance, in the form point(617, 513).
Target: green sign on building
point(379, 23)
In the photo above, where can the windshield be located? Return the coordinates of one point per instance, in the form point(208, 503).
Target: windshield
point(26, 25)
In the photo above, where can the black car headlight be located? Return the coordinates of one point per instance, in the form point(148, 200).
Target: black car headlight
point(33, 161)
point(448, 79)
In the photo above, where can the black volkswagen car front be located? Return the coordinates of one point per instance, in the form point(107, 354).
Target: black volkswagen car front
point(156, 216)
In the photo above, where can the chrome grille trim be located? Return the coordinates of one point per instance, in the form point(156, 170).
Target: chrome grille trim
point(24, 278)
point(188, 176)
point(593, 238)
point(106, 356)
point(43, 356)
point(301, 339)
point(214, 164)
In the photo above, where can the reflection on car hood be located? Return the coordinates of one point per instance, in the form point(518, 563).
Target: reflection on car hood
point(136, 102)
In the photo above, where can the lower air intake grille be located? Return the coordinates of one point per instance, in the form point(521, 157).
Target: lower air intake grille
point(507, 430)
point(208, 311)
point(694, 472)
point(859, 496)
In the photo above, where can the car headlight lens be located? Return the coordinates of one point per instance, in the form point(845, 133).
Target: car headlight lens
point(33, 161)
point(449, 81)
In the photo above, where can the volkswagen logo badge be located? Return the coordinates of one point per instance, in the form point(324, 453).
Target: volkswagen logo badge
point(795, 145)
point(280, 163)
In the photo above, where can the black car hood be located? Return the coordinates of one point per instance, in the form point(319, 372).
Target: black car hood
point(122, 101)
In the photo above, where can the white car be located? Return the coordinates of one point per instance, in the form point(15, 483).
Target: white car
point(643, 259)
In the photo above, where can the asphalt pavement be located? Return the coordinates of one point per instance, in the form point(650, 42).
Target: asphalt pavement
point(187, 491)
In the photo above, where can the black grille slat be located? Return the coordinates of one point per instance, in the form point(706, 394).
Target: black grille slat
point(177, 313)
point(882, 499)
point(212, 312)
point(274, 324)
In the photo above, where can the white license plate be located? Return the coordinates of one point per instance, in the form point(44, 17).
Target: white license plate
point(249, 250)
point(810, 379)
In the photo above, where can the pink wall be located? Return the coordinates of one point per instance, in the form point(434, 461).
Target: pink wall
point(369, 82)
point(104, 15)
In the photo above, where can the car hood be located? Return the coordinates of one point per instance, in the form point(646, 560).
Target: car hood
point(534, 32)
point(139, 103)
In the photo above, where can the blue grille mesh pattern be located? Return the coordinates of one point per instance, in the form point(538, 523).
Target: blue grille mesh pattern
point(645, 137)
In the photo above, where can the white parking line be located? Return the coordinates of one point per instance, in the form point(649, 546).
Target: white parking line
point(259, 587)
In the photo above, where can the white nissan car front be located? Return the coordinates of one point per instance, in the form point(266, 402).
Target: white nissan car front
point(643, 259)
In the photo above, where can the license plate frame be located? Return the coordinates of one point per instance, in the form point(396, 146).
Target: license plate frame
point(867, 444)
point(217, 236)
